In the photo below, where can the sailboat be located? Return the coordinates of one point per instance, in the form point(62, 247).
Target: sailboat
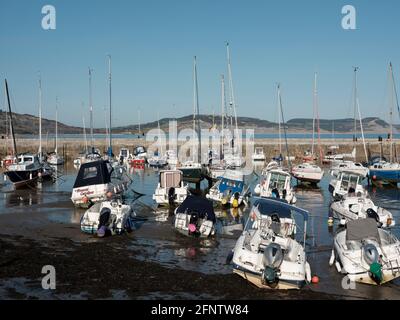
point(193, 170)
point(54, 158)
point(388, 172)
point(309, 172)
point(275, 181)
point(47, 171)
point(158, 160)
point(232, 157)
point(27, 169)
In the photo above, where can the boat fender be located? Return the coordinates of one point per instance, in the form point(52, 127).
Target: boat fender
point(308, 272)
point(338, 267)
point(332, 259)
point(315, 279)
point(330, 221)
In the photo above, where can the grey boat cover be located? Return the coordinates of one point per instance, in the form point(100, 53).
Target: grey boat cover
point(361, 229)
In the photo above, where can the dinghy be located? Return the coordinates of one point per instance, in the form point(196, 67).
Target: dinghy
point(107, 217)
point(98, 181)
point(353, 208)
point(195, 217)
point(267, 253)
point(366, 253)
point(170, 189)
point(229, 189)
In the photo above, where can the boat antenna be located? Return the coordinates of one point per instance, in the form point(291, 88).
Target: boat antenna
point(11, 119)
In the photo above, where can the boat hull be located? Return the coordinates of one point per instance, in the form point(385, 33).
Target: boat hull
point(256, 279)
point(21, 179)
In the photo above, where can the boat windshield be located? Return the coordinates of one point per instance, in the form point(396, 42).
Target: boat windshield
point(277, 181)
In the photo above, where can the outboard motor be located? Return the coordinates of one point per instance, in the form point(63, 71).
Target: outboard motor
point(272, 259)
point(171, 196)
point(193, 223)
point(104, 219)
point(371, 256)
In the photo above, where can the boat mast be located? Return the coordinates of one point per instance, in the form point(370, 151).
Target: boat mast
point(91, 107)
point(357, 107)
point(232, 102)
point(318, 123)
point(139, 121)
point(397, 101)
point(314, 112)
point(106, 125)
point(223, 107)
point(84, 129)
point(56, 149)
point(279, 120)
point(11, 120)
point(391, 113)
point(284, 128)
point(110, 126)
point(196, 110)
point(40, 117)
point(6, 120)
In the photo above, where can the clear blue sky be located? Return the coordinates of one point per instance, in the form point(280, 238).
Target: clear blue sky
point(152, 44)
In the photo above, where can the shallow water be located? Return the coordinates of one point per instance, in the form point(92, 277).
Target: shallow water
point(157, 240)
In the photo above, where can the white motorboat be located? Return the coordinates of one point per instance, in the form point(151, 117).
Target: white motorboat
point(275, 182)
point(366, 253)
point(157, 160)
point(98, 181)
point(307, 172)
point(172, 158)
point(267, 253)
point(232, 160)
point(124, 155)
point(349, 166)
point(170, 189)
point(105, 217)
point(195, 217)
point(332, 157)
point(353, 208)
point(258, 154)
point(229, 189)
point(86, 157)
point(347, 183)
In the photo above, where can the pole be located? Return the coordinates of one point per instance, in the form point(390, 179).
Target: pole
point(11, 120)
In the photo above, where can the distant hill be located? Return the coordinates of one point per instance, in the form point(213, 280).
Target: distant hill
point(29, 124)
